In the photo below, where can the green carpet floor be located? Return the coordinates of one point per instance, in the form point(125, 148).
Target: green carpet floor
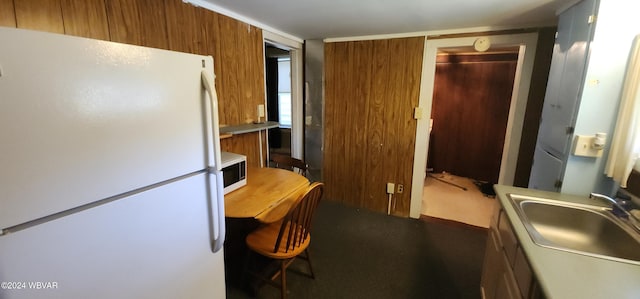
point(362, 254)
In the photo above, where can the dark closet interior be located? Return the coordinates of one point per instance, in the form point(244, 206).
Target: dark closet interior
point(471, 101)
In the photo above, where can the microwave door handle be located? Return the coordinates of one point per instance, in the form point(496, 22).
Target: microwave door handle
point(217, 220)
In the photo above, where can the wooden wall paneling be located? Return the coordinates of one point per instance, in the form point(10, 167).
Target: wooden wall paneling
point(329, 100)
point(405, 125)
point(183, 31)
point(229, 97)
point(371, 88)
point(375, 171)
point(7, 13)
point(255, 92)
point(356, 116)
point(229, 65)
point(221, 41)
point(241, 73)
point(191, 30)
point(85, 18)
point(138, 22)
point(235, 46)
point(208, 22)
point(209, 26)
point(394, 102)
point(343, 161)
point(41, 15)
point(336, 63)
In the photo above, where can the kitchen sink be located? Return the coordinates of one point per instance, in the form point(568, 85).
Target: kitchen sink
point(579, 228)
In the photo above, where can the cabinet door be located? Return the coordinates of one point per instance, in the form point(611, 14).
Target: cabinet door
point(493, 266)
point(523, 274)
point(566, 77)
point(545, 171)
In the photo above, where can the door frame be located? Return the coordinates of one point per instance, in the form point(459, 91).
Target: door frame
point(519, 97)
point(295, 51)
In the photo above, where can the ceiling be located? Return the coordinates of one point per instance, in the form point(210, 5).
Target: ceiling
point(318, 19)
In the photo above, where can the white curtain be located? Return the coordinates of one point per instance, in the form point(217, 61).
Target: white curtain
point(625, 145)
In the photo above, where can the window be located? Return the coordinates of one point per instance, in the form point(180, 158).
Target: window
point(625, 146)
point(284, 92)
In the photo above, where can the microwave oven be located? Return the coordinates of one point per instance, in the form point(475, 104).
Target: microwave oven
point(234, 171)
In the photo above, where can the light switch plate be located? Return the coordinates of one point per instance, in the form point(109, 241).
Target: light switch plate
point(260, 110)
point(582, 147)
point(417, 113)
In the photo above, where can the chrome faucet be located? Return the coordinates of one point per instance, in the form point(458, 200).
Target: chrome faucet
point(634, 221)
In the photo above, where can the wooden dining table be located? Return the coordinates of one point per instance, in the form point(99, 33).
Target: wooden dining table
point(267, 196)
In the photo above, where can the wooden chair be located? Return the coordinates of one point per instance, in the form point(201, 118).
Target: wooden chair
point(289, 238)
point(290, 163)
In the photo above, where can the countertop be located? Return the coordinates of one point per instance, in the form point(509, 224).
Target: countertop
point(565, 275)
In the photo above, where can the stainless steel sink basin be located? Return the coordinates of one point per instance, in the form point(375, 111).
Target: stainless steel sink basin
point(578, 228)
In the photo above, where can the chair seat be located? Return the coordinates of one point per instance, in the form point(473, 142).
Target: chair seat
point(262, 241)
point(288, 238)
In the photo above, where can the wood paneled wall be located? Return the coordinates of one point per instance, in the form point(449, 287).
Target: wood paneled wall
point(371, 89)
point(171, 24)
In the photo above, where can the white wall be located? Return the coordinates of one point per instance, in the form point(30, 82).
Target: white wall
point(616, 27)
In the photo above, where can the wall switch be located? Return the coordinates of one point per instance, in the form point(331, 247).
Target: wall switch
point(417, 113)
point(390, 188)
point(583, 147)
point(260, 111)
point(308, 120)
point(400, 188)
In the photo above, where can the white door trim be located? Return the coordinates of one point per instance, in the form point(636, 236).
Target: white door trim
point(297, 68)
point(527, 43)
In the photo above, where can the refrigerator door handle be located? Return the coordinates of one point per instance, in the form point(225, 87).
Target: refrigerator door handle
point(214, 161)
point(212, 122)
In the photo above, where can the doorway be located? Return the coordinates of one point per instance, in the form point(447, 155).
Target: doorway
point(526, 43)
point(471, 101)
point(284, 101)
point(470, 109)
point(278, 90)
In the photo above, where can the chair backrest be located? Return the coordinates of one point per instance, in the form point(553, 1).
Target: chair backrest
point(296, 225)
point(290, 163)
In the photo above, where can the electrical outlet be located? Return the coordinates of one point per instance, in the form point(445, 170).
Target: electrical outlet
point(400, 188)
point(390, 188)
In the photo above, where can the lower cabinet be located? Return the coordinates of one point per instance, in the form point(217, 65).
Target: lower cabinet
point(506, 273)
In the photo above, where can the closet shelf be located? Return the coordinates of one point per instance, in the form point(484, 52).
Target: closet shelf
point(248, 128)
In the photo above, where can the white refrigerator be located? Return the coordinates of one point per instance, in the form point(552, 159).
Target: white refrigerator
point(110, 184)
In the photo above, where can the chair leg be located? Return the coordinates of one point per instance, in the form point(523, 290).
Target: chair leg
point(283, 279)
point(309, 262)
